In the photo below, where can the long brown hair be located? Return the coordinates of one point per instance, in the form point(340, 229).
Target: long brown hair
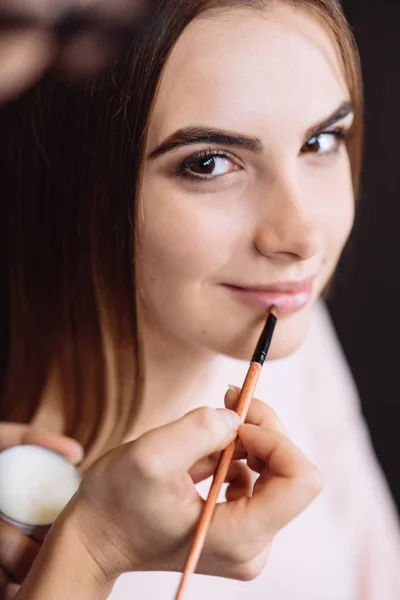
point(71, 163)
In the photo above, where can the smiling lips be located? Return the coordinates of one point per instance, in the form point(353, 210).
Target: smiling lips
point(288, 296)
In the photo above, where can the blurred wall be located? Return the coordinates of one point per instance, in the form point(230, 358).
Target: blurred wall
point(365, 304)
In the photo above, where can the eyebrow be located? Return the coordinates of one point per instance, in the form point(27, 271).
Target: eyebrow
point(344, 110)
point(207, 135)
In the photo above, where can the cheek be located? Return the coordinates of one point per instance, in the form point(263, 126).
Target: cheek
point(341, 213)
point(335, 199)
point(183, 238)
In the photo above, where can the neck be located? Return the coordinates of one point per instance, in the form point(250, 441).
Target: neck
point(175, 377)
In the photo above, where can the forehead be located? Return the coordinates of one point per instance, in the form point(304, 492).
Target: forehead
point(244, 68)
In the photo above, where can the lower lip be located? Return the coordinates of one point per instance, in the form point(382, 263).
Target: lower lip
point(287, 302)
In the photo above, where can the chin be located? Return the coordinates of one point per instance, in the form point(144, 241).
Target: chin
point(283, 345)
point(290, 333)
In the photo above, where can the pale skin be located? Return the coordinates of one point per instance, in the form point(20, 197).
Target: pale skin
point(279, 212)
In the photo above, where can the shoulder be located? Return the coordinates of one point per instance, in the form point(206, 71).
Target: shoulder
point(323, 358)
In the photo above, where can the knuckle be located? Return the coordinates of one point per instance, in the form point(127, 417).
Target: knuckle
point(148, 462)
point(246, 558)
point(204, 418)
point(240, 554)
point(311, 480)
point(250, 570)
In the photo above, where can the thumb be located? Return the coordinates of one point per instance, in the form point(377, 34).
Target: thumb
point(14, 434)
point(189, 439)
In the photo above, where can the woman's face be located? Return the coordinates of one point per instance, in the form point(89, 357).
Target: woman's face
point(246, 197)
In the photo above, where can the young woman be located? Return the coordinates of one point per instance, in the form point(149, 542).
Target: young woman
point(155, 217)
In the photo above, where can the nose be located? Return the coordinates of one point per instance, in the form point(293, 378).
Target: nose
point(289, 228)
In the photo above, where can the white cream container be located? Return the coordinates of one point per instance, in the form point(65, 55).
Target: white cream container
point(35, 486)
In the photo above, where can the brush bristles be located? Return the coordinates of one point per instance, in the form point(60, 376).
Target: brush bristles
point(274, 311)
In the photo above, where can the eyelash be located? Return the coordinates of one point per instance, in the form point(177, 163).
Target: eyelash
point(340, 133)
point(203, 155)
point(183, 169)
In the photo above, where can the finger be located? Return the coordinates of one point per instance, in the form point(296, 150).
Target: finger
point(259, 413)
point(200, 432)
point(13, 434)
point(206, 467)
point(239, 453)
point(208, 464)
point(17, 552)
point(11, 591)
point(256, 464)
point(240, 482)
point(286, 487)
point(203, 469)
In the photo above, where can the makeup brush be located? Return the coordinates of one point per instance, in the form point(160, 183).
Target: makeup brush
point(225, 459)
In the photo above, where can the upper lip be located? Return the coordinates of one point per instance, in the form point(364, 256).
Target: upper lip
point(284, 287)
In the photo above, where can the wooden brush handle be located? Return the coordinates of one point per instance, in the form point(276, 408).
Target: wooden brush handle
point(220, 474)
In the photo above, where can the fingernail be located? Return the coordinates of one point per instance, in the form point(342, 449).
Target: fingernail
point(230, 417)
point(235, 390)
point(79, 452)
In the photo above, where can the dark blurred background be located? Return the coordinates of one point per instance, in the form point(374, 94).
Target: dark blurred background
point(365, 303)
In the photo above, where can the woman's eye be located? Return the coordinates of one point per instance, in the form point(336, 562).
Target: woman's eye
point(324, 143)
point(206, 166)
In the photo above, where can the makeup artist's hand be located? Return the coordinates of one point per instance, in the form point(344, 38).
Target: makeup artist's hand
point(137, 507)
point(17, 551)
point(35, 33)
